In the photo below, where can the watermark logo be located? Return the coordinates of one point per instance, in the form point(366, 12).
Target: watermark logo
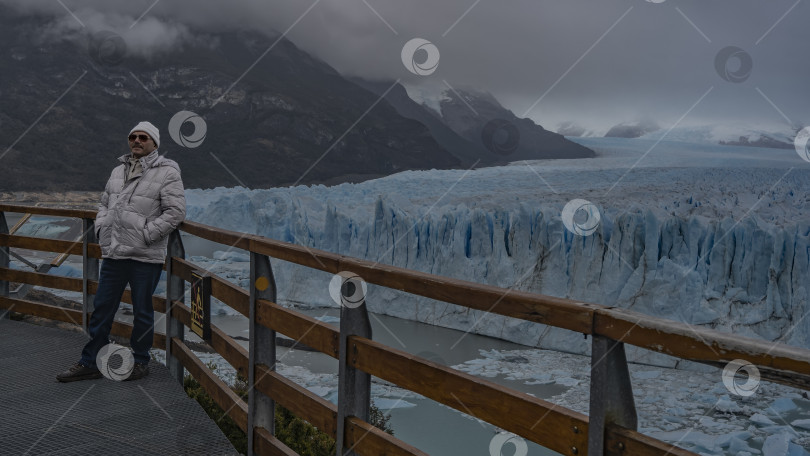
point(107, 48)
point(656, 1)
point(107, 362)
point(733, 64)
point(503, 439)
point(581, 217)
point(801, 143)
point(348, 289)
point(730, 373)
point(500, 136)
point(196, 138)
point(420, 56)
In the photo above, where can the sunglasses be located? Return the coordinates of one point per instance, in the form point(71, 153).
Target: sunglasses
point(142, 138)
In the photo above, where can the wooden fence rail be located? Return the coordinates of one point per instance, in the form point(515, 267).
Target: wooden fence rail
point(609, 430)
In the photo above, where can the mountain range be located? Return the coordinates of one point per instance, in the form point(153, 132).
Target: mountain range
point(273, 114)
point(722, 134)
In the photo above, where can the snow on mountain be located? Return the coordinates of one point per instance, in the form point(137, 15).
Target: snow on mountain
point(571, 128)
point(632, 129)
point(741, 135)
point(431, 97)
point(716, 236)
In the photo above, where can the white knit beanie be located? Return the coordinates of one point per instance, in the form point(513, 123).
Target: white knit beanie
point(150, 129)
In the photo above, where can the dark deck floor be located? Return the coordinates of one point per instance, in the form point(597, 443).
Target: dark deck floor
point(38, 415)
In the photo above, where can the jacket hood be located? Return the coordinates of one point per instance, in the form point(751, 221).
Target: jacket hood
point(152, 160)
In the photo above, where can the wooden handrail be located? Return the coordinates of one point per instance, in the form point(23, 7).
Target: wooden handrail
point(563, 430)
point(367, 440)
point(50, 312)
point(44, 280)
point(564, 313)
point(556, 428)
point(693, 343)
point(221, 289)
point(47, 245)
point(302, 328)
point(300, 401)
point(689, 342)
point(19, 223)
point(220, 236)
point(267, 443)
point(235, 407)
point(52, 211)
point(777, 362)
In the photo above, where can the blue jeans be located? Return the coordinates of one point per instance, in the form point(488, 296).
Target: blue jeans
point(143, 279)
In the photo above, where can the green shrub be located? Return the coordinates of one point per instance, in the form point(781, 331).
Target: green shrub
point(299, 435)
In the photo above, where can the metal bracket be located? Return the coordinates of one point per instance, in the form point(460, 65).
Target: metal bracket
point(5, 261)
point(261, 408)
point(90, 271)
point(175, 291)
point(611, 400)
point(354, 385)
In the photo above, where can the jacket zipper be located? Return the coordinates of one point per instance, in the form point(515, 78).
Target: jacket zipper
point(143, 173)
point(134, 189)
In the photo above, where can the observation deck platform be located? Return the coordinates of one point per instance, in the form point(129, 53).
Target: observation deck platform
point(41, 416)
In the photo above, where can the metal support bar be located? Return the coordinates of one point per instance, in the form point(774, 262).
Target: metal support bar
point(23, 260)
point(89, 270)
point(611, 400)
point(354, 385)
point(19, 223)
point(5, 261)
point(57, 261)
point(175, 291)
point(261, 408)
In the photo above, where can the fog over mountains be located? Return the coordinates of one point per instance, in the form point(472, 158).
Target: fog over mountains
point(291, 119)
point(599, 64)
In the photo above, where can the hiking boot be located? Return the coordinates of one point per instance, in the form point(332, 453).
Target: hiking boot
point(138, 371)
point(78, 372)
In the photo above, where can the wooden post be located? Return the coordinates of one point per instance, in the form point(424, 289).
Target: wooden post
point(261, 408)
point(354, 385)
point(175, 291)
point(5, 262)
point(611, 400)
point(89, 270)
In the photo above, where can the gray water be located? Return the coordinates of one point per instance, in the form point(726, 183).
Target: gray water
point(430, 426)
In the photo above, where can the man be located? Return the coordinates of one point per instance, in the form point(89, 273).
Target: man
point(143, 202)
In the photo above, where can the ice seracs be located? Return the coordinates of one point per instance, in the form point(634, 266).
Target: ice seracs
point(714, 236)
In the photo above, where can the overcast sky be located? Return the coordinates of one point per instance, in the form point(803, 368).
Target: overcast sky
point(597, 63)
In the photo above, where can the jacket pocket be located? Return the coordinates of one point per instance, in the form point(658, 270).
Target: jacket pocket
point(130, 231)
point(104, 238)
point(145, 233)
point(103, 234)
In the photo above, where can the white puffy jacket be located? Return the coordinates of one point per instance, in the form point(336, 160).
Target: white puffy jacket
point(136, 216)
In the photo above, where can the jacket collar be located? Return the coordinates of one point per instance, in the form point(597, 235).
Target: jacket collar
point(147, 162)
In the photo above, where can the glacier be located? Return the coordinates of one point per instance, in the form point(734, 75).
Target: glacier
point(714, 236)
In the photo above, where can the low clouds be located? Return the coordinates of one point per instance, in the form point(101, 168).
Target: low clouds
point(145, 37)
point(148, 38)
point(596, 63)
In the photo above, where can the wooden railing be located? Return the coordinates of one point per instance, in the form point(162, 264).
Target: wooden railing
point(609, 429)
